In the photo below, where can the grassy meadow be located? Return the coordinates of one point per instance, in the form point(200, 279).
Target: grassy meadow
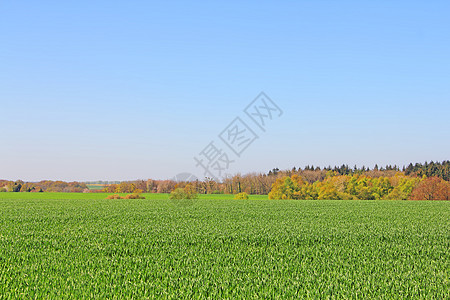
point(55, 245)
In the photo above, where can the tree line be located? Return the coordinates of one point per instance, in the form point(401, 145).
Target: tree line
point(42, 186)
point(362, 187)
point(432, 169)
point(310, 182)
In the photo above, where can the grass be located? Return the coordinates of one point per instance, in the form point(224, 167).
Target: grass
point(95, 186)
point(80, 245)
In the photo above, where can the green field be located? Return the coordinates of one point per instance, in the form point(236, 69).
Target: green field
point(95, 186)
point(81, 245)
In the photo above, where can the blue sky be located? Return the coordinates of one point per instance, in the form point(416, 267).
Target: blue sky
point(94, 90)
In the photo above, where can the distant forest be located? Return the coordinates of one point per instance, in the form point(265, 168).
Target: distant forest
point(252, 183)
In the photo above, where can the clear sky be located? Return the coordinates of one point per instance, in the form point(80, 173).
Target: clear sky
point(100, 90)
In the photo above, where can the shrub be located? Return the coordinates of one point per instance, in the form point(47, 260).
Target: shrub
point(133, 196)
point(177, 194)
point(190, 191)
point(187, 193)
point(2, 190)
point(241, 196)
point(129, 196)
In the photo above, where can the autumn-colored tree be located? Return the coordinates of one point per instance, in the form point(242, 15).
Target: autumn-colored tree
point(312, 176)
point(307, 192)
point(30, 188)
point(151, 186)
point(432, 188)
point(381, 186)
point(403, 187)
point(327, 191)
point(286, 187)
point(14, 186)
point(166, 186)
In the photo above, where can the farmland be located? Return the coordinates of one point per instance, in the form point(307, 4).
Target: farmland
point(82, 245)
point(94, 186)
